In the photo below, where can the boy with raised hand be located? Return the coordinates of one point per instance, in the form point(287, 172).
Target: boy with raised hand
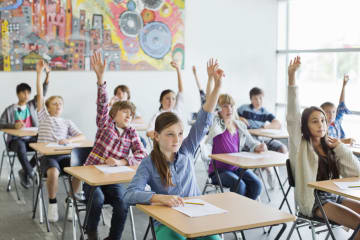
point(255, 116)
point(23, 115)
point(335, 116)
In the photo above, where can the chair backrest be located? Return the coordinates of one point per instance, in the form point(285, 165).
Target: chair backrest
point(290, 175)
point(204, 155)
point(79, 156)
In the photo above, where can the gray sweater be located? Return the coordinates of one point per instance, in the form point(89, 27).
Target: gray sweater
point(7, 119)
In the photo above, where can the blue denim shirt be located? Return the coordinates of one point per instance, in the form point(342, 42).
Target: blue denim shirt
point(182, 169)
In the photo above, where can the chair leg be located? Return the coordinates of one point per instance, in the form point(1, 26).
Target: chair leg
point(65, 220)
point(263, 181)
point(132, 223)
point(12, 176)
point(2, 161)
point(312, 230)
point(147, 231)
point(291, 231)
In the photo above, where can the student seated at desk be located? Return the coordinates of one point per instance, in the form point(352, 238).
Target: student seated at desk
point(335, 116)
point(315, 156)
point(169, 170)
point(53, 128)
point(228, 135)
point(169, 102)
point(23, 115)
point(112, 147)
point(255, 116)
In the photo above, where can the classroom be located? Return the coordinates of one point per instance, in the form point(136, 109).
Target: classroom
point(174, 119)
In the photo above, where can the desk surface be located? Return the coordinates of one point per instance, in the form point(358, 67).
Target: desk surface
point(269, 159)
point(329, 186)
point(20, 132)
point(271, 133)
point(243, 213)
point(47, 151)
point(94, 177)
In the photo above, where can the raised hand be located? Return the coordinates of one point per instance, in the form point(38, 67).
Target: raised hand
point(40, 66)
point(211, 66)
point(99, 66)
point(47, 68)
point(346, 80)
point(218, 75)
point(293, 67)
point(174, 65)
point(194, 70)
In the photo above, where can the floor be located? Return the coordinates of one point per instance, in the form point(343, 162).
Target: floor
point(16, 222)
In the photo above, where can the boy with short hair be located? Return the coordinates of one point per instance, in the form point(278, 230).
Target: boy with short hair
point(335, 116)
point(255, 116)
point(23, 115)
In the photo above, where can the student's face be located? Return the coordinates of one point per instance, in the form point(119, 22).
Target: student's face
point(226, 112)
point(170, 138)
point(330, 113)
point(55, 107)
point(257, 100)
point(317, 124)
point(168, 101)
point(23, 96)
point(122, 96)
point(123, 118)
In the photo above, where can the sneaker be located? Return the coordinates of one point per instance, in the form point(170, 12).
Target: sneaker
point(270, 179)
point(24, 179)
point(53, 215)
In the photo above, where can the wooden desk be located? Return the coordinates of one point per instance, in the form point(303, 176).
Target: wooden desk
point(274, 134)
point(355, 149)
point(329, 186)
point(49, 151)
point(241, 215)
point(20, 132)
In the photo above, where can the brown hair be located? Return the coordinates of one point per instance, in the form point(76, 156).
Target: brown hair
point(120, 105)
point(164, 120)
point(163, 94)
point(327, 104)
point(47, 102)
point(256, 91)
point(330, 155)
point(123, 88)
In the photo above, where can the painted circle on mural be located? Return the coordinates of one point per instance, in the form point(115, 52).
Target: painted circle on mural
point(180, 3)
point(130, 23)
point(148, 15)
point(178, 54)
point(155, 39)
point(131, 5)
point(165, 10)
point(152, 4)
point(131, 45)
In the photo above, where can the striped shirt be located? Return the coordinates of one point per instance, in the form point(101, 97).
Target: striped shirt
point(255, 118)
point(335, 128)
point(111, 141)
point(54, 129)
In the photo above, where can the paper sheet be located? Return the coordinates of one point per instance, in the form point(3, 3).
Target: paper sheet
point(67, 146)
point(348, 185)
point(193, 210)
point(110, 169)
point(272, 131)
point(247, 155)
point(34, 129)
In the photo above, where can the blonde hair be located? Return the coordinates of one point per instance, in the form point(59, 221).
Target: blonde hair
point(47, 102)
point(120, 106)
point(225, 99)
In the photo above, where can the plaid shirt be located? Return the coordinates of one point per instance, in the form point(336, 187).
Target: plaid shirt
point(111, 143)
point(335, 129)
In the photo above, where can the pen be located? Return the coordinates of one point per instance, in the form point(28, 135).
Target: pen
point(194, 203)
point(353, 186)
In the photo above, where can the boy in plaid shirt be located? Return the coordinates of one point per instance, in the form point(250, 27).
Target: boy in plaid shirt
point(112, 147)
point(335, 116)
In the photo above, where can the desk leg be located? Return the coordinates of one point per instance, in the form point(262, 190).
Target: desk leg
point(281, 231)
point(76, 208)
point(317, 199)
point(88, 206)
point(152, 227)
point(282, 190)
point(217, 176)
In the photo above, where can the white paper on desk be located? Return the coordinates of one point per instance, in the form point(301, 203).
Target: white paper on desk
point(247, 155)
point(33, 129)
point(193, 210)
point(272, 131)
point(347, 185)
point(59, 146)
point(110, 169)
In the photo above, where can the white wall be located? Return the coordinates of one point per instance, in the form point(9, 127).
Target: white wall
point(241, 34)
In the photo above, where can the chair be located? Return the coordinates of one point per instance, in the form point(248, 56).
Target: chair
point(303, 220)
point(206, 161)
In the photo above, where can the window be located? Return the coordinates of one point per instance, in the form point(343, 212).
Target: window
point(326, 37)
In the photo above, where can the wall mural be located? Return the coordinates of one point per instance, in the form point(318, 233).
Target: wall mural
point(132, 34)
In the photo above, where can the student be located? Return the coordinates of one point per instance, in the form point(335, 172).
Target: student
point(255, 116)
point(23, 115)
point(169, 102)
point(116, 139)
point(315, 156)
point(169, 170)
point(335, 116)
point(228, 135)
point(201, 91)
point(53, 128)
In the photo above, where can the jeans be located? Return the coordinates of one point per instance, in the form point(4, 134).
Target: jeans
point(109, 194)
point(21, 147)
point(250, 185)
point(164, 233)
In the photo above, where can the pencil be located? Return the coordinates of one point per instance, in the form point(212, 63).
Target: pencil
point(353, 186)
point(194, 203)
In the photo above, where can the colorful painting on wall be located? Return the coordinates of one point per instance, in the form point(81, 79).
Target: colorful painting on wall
point(132, 34)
